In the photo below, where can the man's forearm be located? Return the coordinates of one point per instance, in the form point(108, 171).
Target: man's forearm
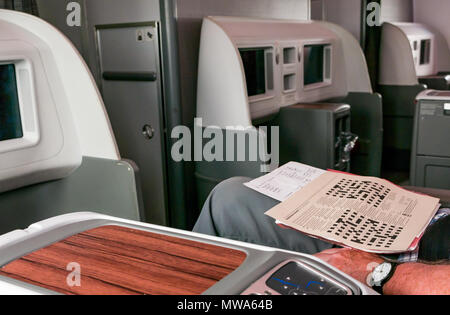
point(419, 279)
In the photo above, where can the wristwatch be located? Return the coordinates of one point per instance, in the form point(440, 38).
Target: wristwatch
point(381, 275)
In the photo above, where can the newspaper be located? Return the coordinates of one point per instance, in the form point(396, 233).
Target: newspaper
point(285, 181)
point(365, 213)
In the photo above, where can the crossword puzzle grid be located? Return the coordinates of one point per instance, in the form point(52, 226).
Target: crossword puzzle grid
point(368, 232)
point(367, 191)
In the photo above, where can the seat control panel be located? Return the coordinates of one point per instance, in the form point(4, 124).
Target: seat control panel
point(294, 277)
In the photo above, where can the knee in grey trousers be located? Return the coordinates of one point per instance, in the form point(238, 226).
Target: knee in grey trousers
point(236, 212)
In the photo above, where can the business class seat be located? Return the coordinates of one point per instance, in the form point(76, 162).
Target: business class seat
point(309, 78)
point(57, 151)
point(413, 57)
point(247, 87)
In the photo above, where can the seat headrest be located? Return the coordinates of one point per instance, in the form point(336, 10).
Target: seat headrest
point(51, 114)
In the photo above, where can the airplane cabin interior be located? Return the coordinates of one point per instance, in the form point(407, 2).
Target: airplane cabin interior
point(131, 130)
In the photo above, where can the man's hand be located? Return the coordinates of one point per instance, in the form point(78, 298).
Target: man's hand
point(355, 263)
point(409, 279)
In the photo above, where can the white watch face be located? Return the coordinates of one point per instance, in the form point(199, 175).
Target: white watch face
point(381, 273)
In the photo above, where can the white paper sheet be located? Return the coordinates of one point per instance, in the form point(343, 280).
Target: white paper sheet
point(285, 181)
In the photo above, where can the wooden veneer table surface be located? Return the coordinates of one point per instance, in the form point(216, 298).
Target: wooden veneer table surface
point(116, 260)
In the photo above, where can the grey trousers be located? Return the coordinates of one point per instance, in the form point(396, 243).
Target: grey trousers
point(236, 212)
